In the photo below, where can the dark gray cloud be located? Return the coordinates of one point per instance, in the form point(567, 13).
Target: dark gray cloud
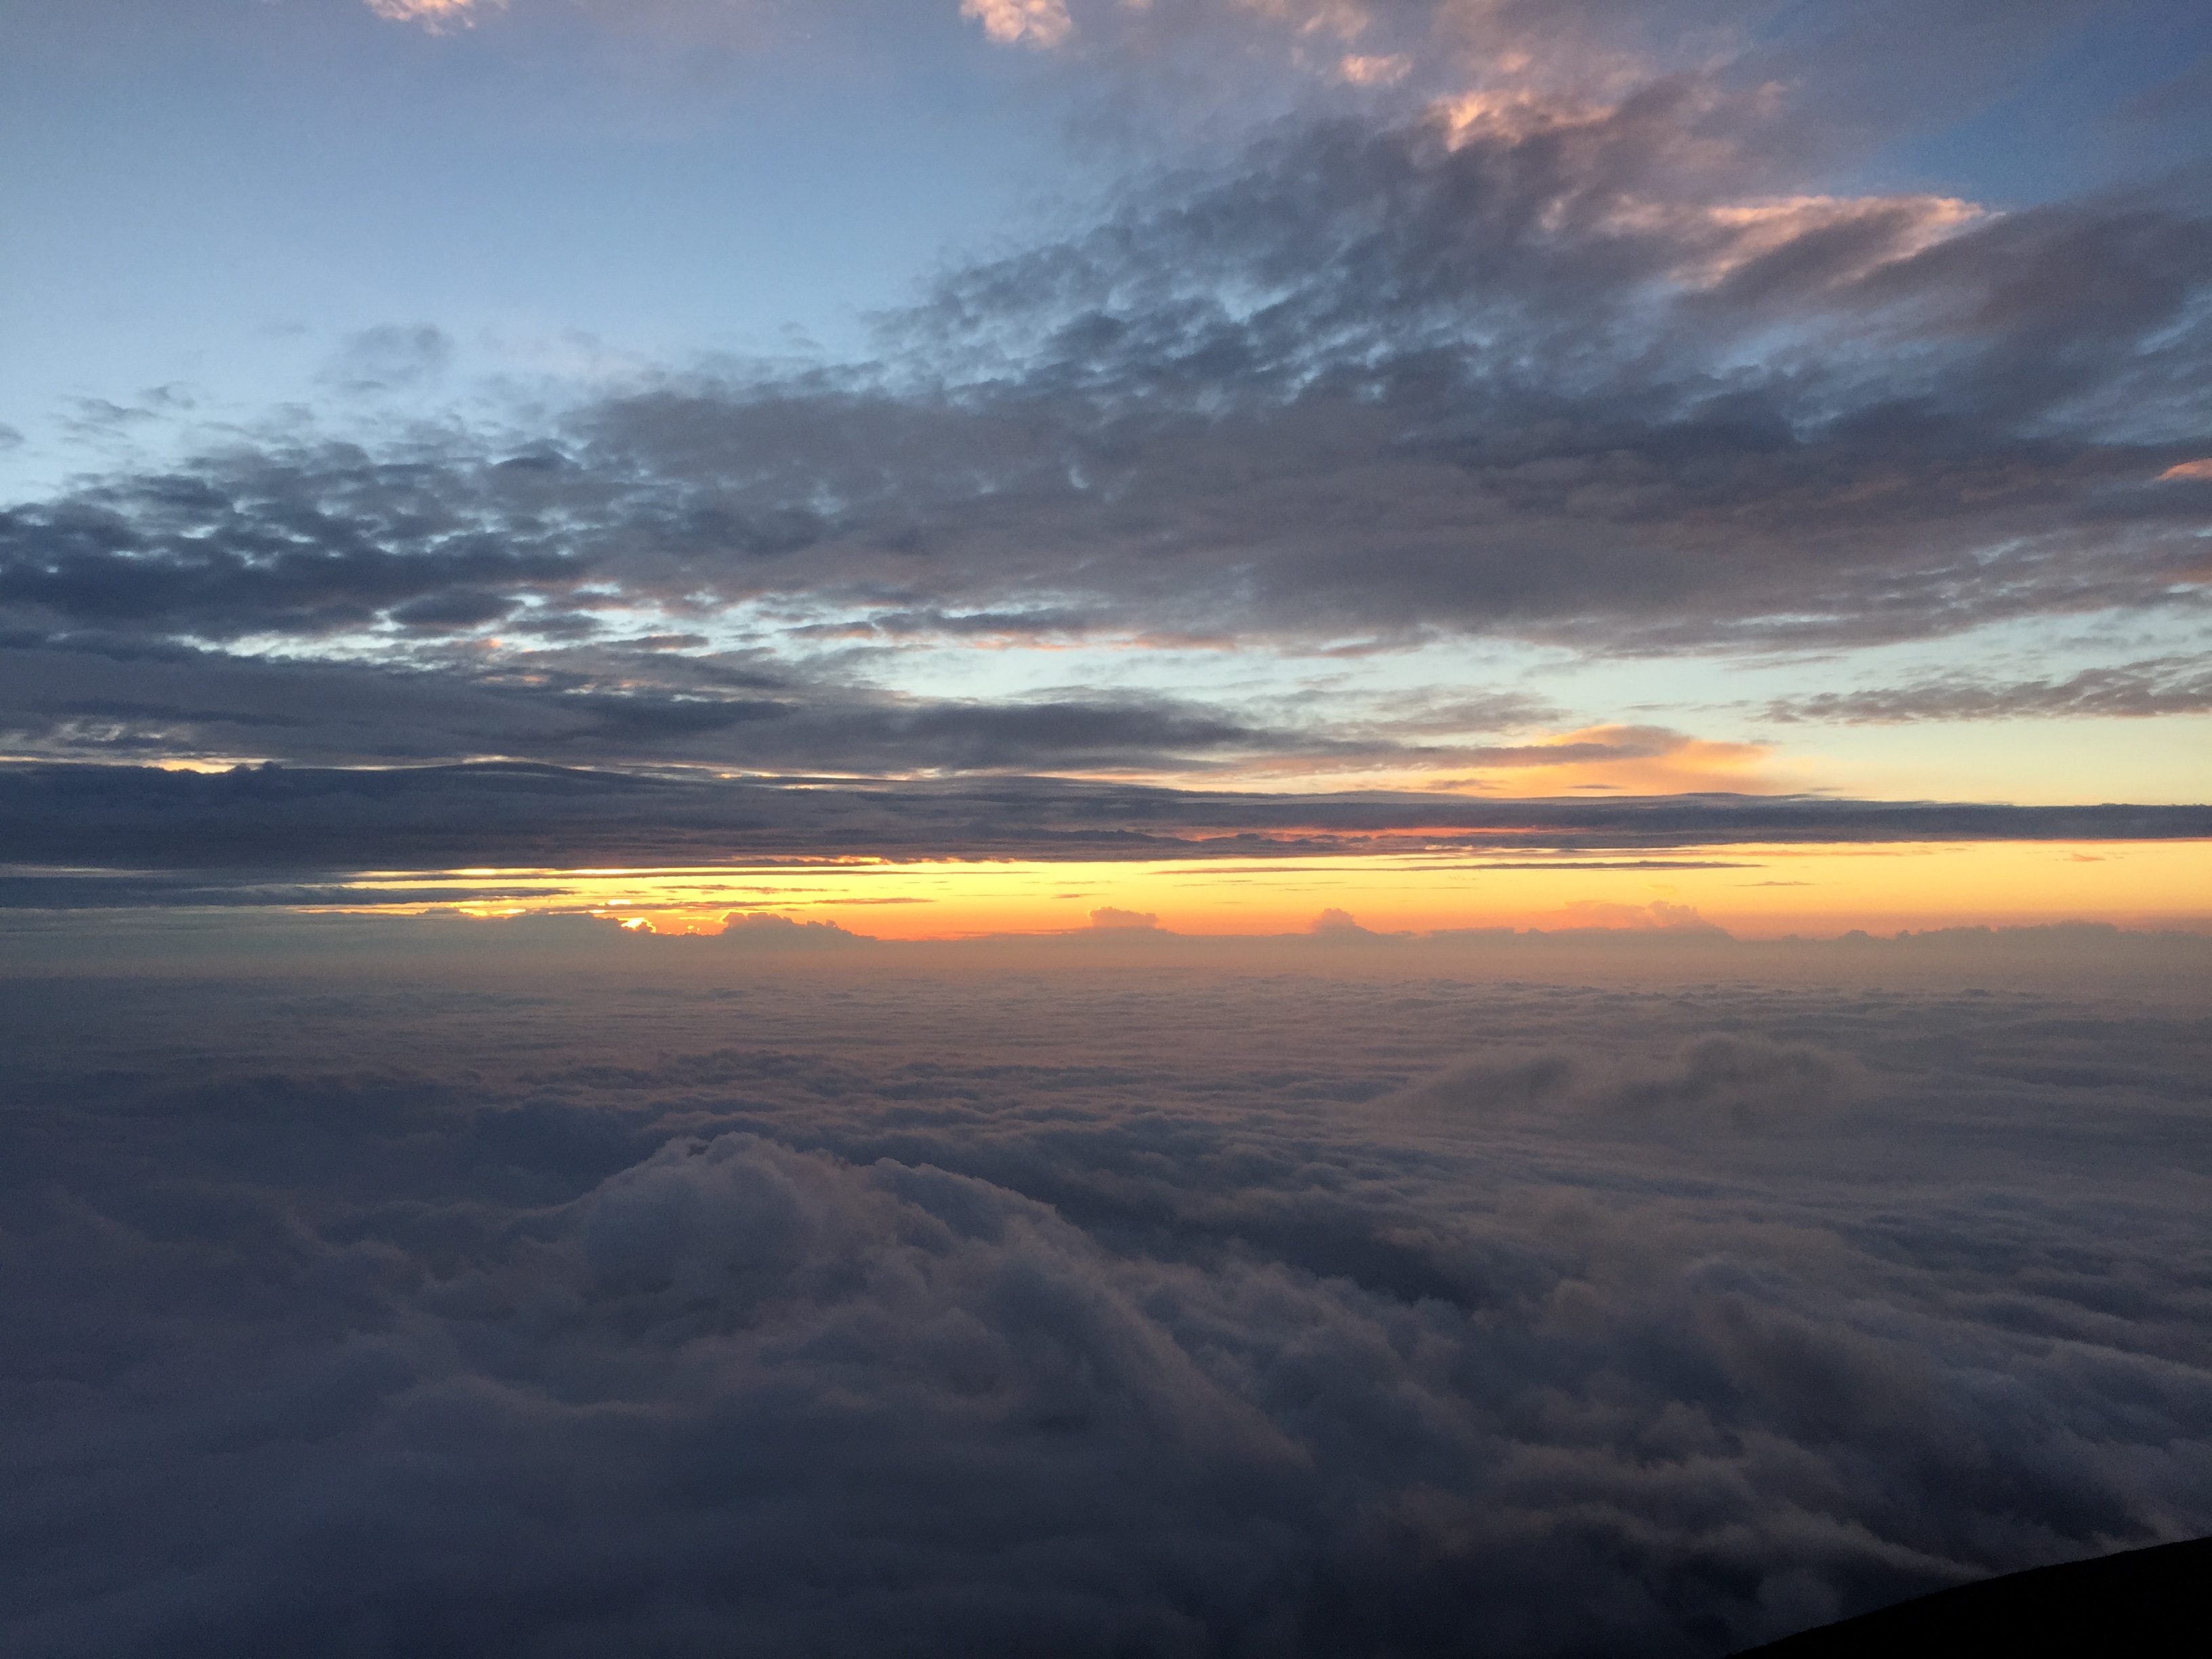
point(622, 702)
point(503, 814)
point(1092, 1312)
point(247, 545)
point(661, 698)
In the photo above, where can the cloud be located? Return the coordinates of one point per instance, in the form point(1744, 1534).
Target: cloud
point(256, 546)
point(442, 818)
point(1595, 364)
point(1719, 1083)
point(1658, 916)
point(1041, 23)
point(820, 1306)
point(435, 15)
point(765, 930)
point(1334, 924)
point(1641, 759)
point(612, 700)
point(1600, 386)
point(1375, 71)
point(589, 694)
point(389, 359)
point(2136, 691)
point(1108, 917)
point(1178, 64)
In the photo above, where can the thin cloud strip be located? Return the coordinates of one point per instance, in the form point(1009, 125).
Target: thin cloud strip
point(2145, 689)
point(452, 817)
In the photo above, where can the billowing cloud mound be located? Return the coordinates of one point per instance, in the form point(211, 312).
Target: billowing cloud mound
point(1085, 1315)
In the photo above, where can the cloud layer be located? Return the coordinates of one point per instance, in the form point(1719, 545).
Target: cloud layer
point(449, 818)
point(1374, 382)
point(1602, 378)
point(1197, 1316)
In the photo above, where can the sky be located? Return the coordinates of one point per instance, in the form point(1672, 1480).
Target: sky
point(1485, 399)
point(1266, 829)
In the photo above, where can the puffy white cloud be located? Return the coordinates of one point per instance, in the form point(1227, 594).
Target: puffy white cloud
point(436, 16)
point(1041, 23)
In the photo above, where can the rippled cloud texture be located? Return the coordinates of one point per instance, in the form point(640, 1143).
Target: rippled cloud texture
point(798, 1308)
point(1571, 337)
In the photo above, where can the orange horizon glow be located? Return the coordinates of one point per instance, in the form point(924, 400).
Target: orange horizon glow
point(1751, 892)
point(1612, 758)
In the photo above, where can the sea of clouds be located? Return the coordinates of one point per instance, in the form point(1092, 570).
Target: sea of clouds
point(793, 1305)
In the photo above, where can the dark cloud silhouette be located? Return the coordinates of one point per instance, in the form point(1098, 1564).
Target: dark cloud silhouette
point(817, 1306)
point(632, 701)
point(247, 545)
point(262, 819)
point(656, 698)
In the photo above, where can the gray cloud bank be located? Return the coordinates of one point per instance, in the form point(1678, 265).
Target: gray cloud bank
point(615, 705)
point(282, 821)
point(1137, 1313)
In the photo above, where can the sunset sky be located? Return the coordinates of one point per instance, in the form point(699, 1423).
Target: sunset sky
point(1098, 829)
point(1469, 400)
